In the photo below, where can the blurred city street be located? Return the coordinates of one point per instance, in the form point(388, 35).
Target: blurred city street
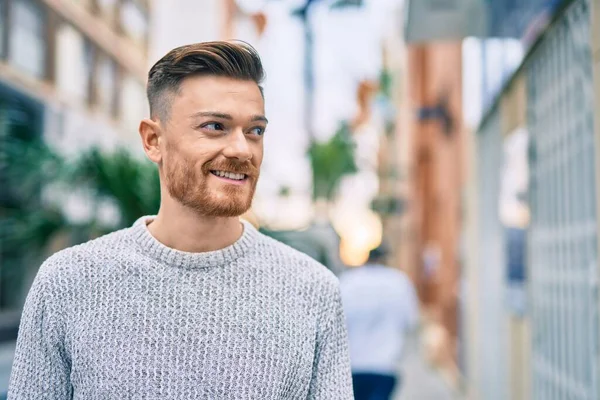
point(461, 136)
point(421, 380)
point(7, 351)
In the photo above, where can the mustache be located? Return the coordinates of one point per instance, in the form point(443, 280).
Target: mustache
point(245, 168)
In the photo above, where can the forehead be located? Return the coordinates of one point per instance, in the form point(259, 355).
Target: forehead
point(215, 93)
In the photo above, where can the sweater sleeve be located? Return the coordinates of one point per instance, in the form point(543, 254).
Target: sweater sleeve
point(331, 377)
point(41, 368)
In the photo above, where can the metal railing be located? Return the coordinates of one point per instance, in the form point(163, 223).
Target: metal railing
point(563, 233)
point(562, 249)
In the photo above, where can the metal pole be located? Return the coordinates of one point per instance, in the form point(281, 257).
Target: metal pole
point(308, 78)
point(303, 13)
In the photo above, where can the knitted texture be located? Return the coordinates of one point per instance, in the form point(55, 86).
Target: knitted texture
point(125, 317)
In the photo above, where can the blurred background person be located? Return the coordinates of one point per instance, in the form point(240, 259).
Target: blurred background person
point(381, 308)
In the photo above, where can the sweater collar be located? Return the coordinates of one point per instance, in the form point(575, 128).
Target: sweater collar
point(167, 255)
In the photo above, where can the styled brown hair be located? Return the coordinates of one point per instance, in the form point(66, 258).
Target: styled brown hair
point(232, 59)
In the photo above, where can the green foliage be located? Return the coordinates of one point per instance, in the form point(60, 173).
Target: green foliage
point(27, 224)
point(27, 166)
point(330, 162)
point(131, 184)
point(386, 83)
point(341, 4)
point(388, 205)
point(28, 230)
point(284, 191)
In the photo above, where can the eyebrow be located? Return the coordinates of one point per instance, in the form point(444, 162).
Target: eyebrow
point(220, 115)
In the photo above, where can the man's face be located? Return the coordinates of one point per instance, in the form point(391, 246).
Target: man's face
point(213, 145)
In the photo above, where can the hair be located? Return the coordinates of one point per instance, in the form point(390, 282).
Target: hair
point(378, 254)
point(231, 59)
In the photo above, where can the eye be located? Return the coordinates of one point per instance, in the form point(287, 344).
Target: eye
point(213, 126)
point(258, 131)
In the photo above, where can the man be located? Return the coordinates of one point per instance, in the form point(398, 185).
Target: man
point(192, 303)
point(381, 307)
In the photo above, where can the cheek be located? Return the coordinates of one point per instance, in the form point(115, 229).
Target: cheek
point(196, 155)
point(257, 155)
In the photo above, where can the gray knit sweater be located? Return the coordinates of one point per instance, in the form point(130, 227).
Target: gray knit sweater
point(125, 317)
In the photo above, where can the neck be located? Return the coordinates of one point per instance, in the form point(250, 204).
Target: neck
point(181, 228)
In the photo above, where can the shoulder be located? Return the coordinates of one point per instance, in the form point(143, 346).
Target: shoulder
point(297, 266)
point(400, 283)
point(401, 277)
point(379, 275)
point(395, 277)
point(77, 259)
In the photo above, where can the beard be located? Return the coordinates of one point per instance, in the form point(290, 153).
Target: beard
point(190, 187)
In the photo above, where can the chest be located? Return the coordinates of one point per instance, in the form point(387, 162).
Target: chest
point(202, 340)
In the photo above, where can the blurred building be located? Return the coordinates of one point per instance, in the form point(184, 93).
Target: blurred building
point(73, 74)
point(431, 153)
point(435, 204)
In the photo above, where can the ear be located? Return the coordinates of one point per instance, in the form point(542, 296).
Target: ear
point(150, 132)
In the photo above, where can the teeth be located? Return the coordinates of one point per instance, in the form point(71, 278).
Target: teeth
point(230, 175)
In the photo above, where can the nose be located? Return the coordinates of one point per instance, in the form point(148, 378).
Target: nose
point(238, 147)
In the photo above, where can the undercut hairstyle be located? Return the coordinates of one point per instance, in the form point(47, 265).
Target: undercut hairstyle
point(231, 59)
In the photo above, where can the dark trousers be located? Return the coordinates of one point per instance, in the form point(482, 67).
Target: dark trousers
point(373, 386)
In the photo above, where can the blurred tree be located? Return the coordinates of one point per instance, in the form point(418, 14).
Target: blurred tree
point(386, 83)
point(303, 13)
point(28, 166)
point(330, 162)
point(131, 184)
point(119, 178)
point(285, 191)
point(346, 3)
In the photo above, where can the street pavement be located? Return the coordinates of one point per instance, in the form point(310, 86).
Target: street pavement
point(419, 380)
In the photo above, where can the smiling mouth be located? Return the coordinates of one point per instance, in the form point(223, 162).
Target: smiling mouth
point(230, 175)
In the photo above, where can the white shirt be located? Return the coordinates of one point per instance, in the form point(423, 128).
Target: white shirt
point(380, 306)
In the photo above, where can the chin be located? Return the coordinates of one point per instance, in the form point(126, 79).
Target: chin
point(217, 201)
point(227, 208)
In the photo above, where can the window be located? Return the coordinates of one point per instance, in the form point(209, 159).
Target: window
point(83, 3)
point(134, 105)
point(74, 63)
point(27, 38)
point(89, 59)
point(108, 10)
point(3, 16)
point(134, 21)
point(106, 84)
point(107, 5)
